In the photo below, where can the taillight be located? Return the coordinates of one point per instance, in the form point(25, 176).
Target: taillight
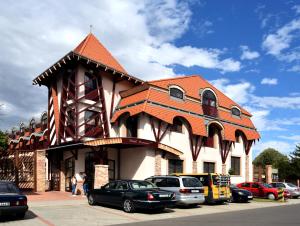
point(22, 202)
point(150, 197)
point(201, 190)
point(184, 190)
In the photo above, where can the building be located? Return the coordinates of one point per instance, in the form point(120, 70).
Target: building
point(110, 125)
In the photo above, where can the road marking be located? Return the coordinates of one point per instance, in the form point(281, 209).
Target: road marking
point(117, 214)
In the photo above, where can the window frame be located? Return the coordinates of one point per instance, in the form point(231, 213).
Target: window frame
point(178, 165)
point(177, 126)
point(236, 169)
point(173, 87)
point(237, 110)
point(209, 164)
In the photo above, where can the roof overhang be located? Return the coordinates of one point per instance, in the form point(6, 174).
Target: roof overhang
point(48, 73)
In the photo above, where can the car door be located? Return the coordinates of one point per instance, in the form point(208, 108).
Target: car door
point(255, 189)
point(105, 193)
point(118, 193)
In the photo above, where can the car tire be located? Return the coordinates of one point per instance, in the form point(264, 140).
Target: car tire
point(20, 215)
point(91, 200)
point(128, 206)
point(271, 196)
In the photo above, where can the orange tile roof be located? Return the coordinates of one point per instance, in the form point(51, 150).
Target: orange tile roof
point(91, 48)
point(192, 85)
point(229, 132)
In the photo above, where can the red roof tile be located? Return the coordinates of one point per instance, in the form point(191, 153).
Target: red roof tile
point(91, 48)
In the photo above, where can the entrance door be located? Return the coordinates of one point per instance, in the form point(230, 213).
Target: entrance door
point(69, 172)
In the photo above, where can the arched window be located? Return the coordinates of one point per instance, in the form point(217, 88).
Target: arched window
point(177, 125)
point(132, 126)
point(209, 103)
point(236, 112)
point(32, 124)
point(176, 93)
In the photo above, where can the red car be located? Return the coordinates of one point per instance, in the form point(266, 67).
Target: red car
point(261, 190)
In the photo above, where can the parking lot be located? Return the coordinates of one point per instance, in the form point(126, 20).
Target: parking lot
point(78, 212)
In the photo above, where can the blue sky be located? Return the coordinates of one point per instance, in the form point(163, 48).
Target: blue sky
point(248, 49)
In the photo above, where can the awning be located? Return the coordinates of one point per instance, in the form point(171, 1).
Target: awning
point(122, 142)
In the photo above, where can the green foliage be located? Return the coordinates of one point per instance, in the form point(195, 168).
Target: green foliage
point(3, 141)
point(295, 162)
point(230, 171)
point(270, 156)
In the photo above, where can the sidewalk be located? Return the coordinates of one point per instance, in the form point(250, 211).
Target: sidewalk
point(52, 196)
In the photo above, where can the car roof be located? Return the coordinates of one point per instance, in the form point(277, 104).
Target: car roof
point(171, 176)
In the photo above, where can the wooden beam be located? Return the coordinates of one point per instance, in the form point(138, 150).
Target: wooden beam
point(112, 98)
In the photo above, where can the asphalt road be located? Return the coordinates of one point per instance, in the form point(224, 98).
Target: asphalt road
point(273, 216)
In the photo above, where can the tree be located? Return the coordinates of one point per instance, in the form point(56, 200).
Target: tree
point(295, 162)
point(278, 160)
point(3, 140)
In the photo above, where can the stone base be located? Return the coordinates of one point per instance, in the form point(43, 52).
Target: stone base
point(101, 175)
point(195, 167)
point(157, 163)
point(224, 169)
point(40, 160)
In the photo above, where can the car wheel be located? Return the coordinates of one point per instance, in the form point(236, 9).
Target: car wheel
point(271, 196)
point(91, 200)
point(20, 215)
point(128, 206)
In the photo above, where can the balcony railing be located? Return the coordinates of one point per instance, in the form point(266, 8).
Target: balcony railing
point(210, 111)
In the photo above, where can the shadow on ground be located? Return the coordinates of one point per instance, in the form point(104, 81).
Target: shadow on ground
point(29, 215)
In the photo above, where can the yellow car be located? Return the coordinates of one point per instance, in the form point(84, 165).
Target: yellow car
point(216, 186)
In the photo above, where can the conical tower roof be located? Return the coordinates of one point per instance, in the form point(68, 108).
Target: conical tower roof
point(91, 48)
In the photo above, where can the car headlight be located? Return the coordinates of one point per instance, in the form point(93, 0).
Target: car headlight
point(240, 193)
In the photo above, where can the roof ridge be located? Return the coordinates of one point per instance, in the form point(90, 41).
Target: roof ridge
point(174, 78)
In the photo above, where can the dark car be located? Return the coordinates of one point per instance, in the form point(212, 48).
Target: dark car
point(240, 195)
point(12, 202)
point(132, 195)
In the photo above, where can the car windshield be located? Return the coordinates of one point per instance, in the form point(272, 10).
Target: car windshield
point(191, 182)
point(142, 185)
point(267, 185)
point(291, 185)
point(232, 186)
point(8, 188)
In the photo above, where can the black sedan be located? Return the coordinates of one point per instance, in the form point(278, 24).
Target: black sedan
point(132, 195)
point(12, 202)
point(240, 195)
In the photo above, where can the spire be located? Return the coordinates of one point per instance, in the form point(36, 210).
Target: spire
point(91, 48)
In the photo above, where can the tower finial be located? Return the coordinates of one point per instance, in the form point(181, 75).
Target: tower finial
point(91, 28)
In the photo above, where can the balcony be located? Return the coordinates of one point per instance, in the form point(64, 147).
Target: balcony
point(210, 111)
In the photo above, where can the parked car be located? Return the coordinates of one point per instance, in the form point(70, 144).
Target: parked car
point(261, 190)
point(188, 190)
point(291, 188)
point(12, 202)
point(240, 195)
point(132, 195)
point(216, 186)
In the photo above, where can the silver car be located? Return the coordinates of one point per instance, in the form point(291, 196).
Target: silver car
point(188, 190)
point(291, 188)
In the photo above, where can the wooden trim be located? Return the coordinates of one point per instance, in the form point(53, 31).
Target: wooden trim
point(112, 98)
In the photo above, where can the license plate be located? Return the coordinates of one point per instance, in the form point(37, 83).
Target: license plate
point(164, 195)
point(194, 191)
point(250, 197)
point(4, 204)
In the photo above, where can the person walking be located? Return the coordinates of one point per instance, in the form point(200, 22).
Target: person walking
point(85, 184)
point(74, 184)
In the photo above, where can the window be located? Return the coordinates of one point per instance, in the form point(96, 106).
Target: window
point(90, 117)
point(209, 141)
point(246, 185)
point(90, 83)
point(237, 137)
point(122, 185)
point(236, 112)
point(132, 126)
point(209, 104)
point(177, 125)
point(177, 93)
point(209, 167)
point(175, 166)
point(22, 128)
point(167, 182)
point(235, 165)
point(255, 185)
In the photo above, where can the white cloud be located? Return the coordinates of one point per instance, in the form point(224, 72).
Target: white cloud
point(247, 54)
point(269, 81)
point(140, 34)
point(239, 92)
point(295, 138)
point(297, 8)
point(278, 44)
point(295, 68)
point(276, 102)
point(283, 147)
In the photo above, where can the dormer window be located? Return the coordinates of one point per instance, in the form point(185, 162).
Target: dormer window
point(209, 103)
point(32, 124)
point(22, 128)
point(176, 93)
point(236, 112)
